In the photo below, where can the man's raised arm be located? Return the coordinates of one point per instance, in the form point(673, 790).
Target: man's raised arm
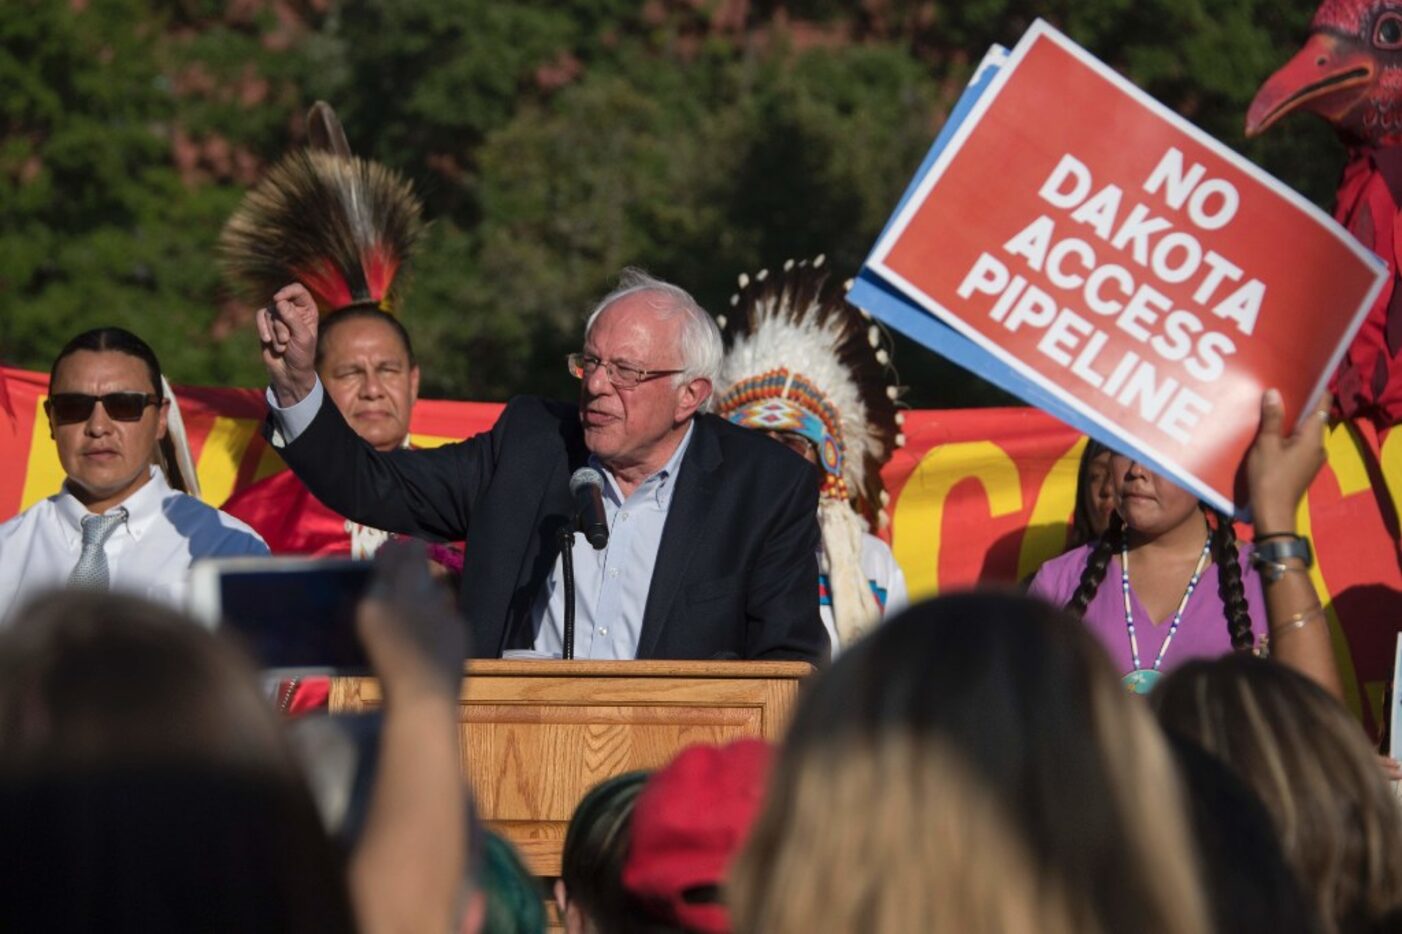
point(287, 332)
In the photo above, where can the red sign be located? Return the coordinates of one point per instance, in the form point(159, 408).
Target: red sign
point(1147, 278)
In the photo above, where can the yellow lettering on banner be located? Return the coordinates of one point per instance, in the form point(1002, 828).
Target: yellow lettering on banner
point(1343, 451)
point(918, 522)
point(1047, 529)
point(1391, 461)
point(223, 451)
point(1343, 656)
point(43, 475)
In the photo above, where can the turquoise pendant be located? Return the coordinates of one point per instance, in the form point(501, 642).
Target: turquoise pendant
point(1140, 682)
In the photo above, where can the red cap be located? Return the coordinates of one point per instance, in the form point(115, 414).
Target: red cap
point(688, 825)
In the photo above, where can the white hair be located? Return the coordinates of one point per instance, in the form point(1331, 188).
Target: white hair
point(701, 346)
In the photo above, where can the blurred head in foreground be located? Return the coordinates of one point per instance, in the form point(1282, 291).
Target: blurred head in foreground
point(590, 891)
point(513, 899)
point(972, 766)
point(145, 783)
point(1249, 885)
point(1308, 760)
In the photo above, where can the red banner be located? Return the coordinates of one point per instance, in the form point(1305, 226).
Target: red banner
point(976, 496)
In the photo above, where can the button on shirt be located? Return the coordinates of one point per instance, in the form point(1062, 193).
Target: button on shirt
point(611, 586)
point(148, 555)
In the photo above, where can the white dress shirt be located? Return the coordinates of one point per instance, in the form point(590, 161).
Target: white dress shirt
point(148, 555)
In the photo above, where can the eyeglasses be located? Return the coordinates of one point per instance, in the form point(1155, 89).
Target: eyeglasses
point(66, 408)
point(795, 442)
point(583, 365)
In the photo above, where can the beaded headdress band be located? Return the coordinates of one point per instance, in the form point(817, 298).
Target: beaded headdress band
point(800, 359)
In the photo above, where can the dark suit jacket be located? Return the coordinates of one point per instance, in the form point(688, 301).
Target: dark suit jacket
point(736, 573)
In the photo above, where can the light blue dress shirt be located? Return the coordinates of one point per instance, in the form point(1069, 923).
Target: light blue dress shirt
point(610, 586)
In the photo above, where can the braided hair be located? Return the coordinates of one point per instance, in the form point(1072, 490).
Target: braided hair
point(1096, 563)
point(1229, 587)
point(1224, 554)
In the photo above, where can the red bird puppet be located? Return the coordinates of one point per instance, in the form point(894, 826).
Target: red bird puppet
point(1350, 73)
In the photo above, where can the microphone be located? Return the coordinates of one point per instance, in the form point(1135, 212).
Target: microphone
point(587, 488)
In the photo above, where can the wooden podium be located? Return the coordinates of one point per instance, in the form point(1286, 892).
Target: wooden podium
point(537, 735)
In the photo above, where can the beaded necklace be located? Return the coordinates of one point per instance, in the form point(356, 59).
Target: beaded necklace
point(1140, 681)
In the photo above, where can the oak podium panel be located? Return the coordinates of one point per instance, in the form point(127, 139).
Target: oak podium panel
point(537, 735)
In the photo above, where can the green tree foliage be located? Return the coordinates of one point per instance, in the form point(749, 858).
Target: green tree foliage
point(553, 143)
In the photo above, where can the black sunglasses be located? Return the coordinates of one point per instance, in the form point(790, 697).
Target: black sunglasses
point(65, 408)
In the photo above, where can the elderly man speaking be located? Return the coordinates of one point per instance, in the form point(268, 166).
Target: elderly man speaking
point(712, 534)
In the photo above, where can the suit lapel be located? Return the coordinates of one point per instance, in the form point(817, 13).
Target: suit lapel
point(697, 484)
point(540, 549)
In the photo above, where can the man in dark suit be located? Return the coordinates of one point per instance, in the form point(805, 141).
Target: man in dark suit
point(713, 535)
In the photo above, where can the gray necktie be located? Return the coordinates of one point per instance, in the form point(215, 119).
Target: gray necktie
point(91, 569)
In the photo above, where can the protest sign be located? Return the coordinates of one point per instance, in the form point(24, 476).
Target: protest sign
point(1075, 242)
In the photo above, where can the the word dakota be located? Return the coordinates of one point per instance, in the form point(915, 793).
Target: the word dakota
point(1177, 347)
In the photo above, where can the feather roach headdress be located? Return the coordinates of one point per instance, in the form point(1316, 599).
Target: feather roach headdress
point(342, 226)
point(800, 359)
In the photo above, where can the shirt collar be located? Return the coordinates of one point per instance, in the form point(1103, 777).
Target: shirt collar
point(659, 484)
point(142, 508)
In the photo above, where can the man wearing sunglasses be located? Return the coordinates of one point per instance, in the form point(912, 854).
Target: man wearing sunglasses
point(712, 535)
point(116, 524)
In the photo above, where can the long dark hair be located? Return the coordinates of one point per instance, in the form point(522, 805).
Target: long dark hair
point(1224, 555)
point(1082, 523)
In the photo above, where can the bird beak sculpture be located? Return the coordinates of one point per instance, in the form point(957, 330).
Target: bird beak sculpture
point(1349, 72)
point(1330, 76)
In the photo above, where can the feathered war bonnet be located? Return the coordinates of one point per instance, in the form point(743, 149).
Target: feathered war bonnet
point(800, 359)
point(342, 226)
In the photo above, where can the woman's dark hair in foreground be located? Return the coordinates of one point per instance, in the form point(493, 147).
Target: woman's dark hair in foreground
point(145, 784)
point(972, 765)
point(1249, 884)
point(1224, 554)
point(1308, 760)
point(596, 848)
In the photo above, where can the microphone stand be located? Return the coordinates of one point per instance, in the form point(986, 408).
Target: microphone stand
point(566, 539)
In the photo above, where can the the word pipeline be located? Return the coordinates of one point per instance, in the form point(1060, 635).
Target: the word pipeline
point(1092, 275)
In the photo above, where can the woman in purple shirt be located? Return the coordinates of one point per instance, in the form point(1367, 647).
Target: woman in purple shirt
point(1166, 582)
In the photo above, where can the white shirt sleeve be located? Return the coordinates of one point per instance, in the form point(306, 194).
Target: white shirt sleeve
point(897, 599)
point(880, 567)
point(292, 420)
